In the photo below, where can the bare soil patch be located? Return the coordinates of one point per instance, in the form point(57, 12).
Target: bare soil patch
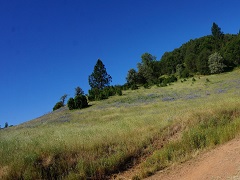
point(222, 162)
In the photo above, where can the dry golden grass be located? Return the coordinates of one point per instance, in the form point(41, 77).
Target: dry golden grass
point(100, 140)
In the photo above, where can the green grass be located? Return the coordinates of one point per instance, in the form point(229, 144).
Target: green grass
point(104, 138)
point(206, 131)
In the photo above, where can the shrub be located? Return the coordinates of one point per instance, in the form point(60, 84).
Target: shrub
point(80, 101)
point(119, 91)
point(71, 104)
point(58, 105)
point(134, 87)
point(215, 62)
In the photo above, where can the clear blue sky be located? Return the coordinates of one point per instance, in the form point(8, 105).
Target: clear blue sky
point(49, 47)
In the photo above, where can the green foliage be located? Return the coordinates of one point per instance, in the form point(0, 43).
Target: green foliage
point(117, 132)
point(134, 87)
point(189, 59)
point(58, 105)
point(147, 69)
point(97, 95)
point(80, 101)
point(204, 133)
point(215, 62)
point(119, 90)
point(217, 35)
point(165, 80)
point(179, 70)
point(99, 78)
point(132, 77)
point(202, 62)
point(71, 104)
point(231, 52)
point(63, 98)
point(78, 91)
point(6, 125)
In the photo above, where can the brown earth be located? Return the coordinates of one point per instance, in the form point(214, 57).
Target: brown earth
point(220, 163)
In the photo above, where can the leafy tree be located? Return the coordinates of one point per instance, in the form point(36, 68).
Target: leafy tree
point(179, 70)
point(231, 52)
point(80, 101)
point(58, 105)
point(78, 91)
point(190, 62)
point(132, 77)
point(63, 98)
point(147, 69)
point(71, 104)
point(202, 62)
point(216, 64)
point(99, 78)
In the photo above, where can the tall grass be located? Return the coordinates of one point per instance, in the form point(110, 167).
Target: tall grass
point(112, 134)
point(205, 131)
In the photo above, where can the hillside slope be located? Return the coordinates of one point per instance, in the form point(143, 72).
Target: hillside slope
point(220, 163)
point(121, 132)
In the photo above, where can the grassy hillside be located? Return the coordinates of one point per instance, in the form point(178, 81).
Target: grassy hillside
point(113, 134)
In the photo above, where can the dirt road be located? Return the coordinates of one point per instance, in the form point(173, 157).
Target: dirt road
point(220, 163)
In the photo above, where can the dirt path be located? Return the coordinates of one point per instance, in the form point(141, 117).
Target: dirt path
point(220, 163)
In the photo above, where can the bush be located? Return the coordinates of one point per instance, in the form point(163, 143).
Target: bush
point(215, 62)
point(119, 91)
point(71, 104)
point(134, 87)
point(80, 101)
point(58, 105)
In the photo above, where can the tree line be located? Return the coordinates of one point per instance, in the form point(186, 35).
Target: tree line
point(211, 54)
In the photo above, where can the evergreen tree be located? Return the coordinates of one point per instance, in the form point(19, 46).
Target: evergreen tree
point(6, 125)
point(71, 104)
point(58, 105)
point(78, 91)
point(99, 78)
point(216, 31)
point(80, 101)
point(217, 35)
point(63, 98)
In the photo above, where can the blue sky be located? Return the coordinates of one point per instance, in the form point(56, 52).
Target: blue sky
point(49, 47)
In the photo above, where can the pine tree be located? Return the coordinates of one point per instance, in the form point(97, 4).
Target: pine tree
point(99, 78)
point(217, 35)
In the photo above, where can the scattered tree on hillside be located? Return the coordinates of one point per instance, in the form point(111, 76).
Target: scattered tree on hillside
point(6, 125)
point(147, 69)
point(71, 104)
point(63, 98)
point(58, 105)
point(80, 101)
point(99, 78)
point(78, 91)
point(216, 64)
point(132, 77)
